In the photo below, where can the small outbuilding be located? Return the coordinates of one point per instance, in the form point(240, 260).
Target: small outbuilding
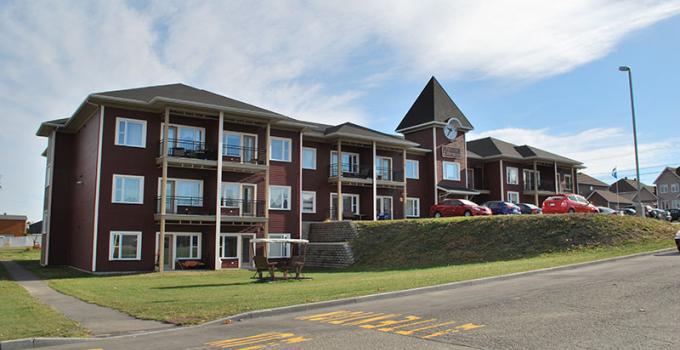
point(13, 225)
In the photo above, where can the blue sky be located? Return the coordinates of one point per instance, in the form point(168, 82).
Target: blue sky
point(533, 72)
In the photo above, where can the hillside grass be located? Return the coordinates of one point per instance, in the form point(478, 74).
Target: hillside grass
point(448, 241)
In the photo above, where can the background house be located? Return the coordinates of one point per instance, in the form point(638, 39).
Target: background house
point(628, 188)
point(588, 184)
point(668, 188)
point(606, 198)
point(12, 225)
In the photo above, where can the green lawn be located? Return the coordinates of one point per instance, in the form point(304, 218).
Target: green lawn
point(195, 297)
point(22, 316)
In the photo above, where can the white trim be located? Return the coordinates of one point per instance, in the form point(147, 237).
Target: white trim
point(663, 188)
point(302, 162)
point(138, 254)
point(221, 251)
point(127, 120)
point(381, 170)
point(381, 199)
point(416, 206)
point(417, 169)
point(122, 199)
point(288, 250)
point(47, 209)
point(313, 202)
point(240, 194)
point(218, 210)
point(241, 145)
point(675, 188)
point(507, 175)
point(339, 162)
point(190, 234)
point(290, 198)
point(95, 231)
point(374, 178)
point(457, 173)
point(513, 193)
point(500, 169)
point(239, 246)
point(175, 179)
point(290, 149)
point(170, 125)
point(354, 195)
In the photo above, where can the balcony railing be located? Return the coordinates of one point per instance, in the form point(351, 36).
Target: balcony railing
point(242, 154)
point(389, 174)
point(189, 149)
point(348, 215)
point(366, 172)
point(242, 207)
point(183, 205)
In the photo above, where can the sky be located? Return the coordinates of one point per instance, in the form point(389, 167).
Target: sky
point(542, 73)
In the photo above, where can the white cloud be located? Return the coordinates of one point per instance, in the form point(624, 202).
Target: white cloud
point(600, 149)
point(312, 60)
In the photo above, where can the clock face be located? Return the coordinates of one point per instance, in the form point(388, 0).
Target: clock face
point(450, 130)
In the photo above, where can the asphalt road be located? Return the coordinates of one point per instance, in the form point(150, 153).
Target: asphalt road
point(626, 304)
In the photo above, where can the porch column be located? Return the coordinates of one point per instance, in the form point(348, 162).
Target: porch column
point(375, 185)
point(300, 191)
point(403, 171)
point(339, 205)
point(574, 181)
point(502, 181)
point(164, 194)
point(266, 186)
point(557, 180)
point(218, 201)
point(535, 183)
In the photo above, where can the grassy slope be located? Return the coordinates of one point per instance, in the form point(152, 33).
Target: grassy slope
point(439, 242)
point(21, 316)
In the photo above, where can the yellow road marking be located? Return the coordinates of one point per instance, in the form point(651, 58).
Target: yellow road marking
point(406, 325)
point(469, 326)
point(391, 322)
point(436, 334)
point(309, 317)
point(354, 318)
point(356, 323)
point(409, 332)
point(295, 340)
point(259, 338)
point(345, 316)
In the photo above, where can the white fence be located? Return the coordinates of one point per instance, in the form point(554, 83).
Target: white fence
point(20, 241)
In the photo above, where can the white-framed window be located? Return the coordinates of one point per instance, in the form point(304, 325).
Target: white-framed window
point(451, 171)
point(182, 192)
point(279, 197)
point(308, 202)
point(239, 145)
point(350, 163)
point(280, 149)
point(128, 189)
point(512, 175)
point(231, 194)
point(567, 181)
point(309, 158)
point(383, 205)
point(228, 246)
point(350, 203)
point(125, 245)
point(676, 204)
point(663, 188)
point(383, 168)
point(130, 132)
point(412, 207)
point(675, 188)
point(412, 169)
point(187, 245)
point(183, 138)
point(513, 197)
point(529, 179)
point(279, 250)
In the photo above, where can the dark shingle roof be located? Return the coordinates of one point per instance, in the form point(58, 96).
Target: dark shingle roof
point(358, 130)
point(611, 197)
point(433, 104)
point(586, 179)
point(35, 227)
point(181, 92)
point(492, 147)
point(629, 185)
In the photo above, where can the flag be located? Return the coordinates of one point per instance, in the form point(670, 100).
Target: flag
point(614, 174)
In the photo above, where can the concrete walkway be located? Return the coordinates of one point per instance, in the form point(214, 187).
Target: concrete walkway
point(101, 321)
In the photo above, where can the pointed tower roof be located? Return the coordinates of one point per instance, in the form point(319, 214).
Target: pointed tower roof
point(433, 105)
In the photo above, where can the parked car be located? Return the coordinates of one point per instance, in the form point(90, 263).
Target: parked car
point(527, 208)
point(675, 214)
point(659, 214)
point(677, 240)
point(458, 207)
point(628, 211)
point(607, 211)
point(568, 203)
point(647, 209)
point(503, 208)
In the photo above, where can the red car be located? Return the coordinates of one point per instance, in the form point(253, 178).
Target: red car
point(568, 203)
point(458, 207)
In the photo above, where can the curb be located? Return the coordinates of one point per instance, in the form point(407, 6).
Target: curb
point(31, 343)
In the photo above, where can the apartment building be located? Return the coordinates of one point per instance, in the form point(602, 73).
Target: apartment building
point(209, 173)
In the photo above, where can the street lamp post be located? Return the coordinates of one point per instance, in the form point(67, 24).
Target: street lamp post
point(637, 162)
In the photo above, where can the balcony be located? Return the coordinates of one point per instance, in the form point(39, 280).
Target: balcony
point(545, 187)
point(362, 175)
point(183, 209)
point(243, 159)
point(196, 155)
point(236, 211)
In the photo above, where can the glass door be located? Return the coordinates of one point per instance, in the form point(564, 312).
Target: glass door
point(168, 253)
point(249, 147)
point(248, 203)
point(383, 168)
point(170, 201)
point(246, 251)
point(384, 207)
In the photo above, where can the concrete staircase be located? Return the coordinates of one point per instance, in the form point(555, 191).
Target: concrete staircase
point(328, 244)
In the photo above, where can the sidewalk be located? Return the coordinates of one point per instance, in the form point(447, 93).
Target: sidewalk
point(101, 321)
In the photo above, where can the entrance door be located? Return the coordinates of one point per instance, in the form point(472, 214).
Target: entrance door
point(383, 168)
point(170, 201)
point(168, 253)
point(383, 206)
point(246, 251)
point(249, 147)
point(248, 204)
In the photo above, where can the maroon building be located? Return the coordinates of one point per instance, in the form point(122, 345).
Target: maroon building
point(209, 174)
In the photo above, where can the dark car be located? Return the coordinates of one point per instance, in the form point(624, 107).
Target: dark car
point(458, 207)
point(675, 214)
point(502, 208)
point(527, 208)
point(607, 211)
point(659, 214)
point(628, 211)
point(677, 240)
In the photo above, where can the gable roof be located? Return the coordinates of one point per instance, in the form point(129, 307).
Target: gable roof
point(351, 129)
point(629, 185)
point(646, 195)
point(13, 217)
point(586, 179)
point(490, 147)
point(674, 171)
point(433, 105)
point(610, 197)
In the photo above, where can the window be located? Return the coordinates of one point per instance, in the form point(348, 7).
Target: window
point(309, 158)
point(231, 144)
point(188, 246)
point(280, 149)
point(529, 179)
point(279, 197)
point(189, 193)
point(676, 204)
point(279, 250)
point(383, 205)
point(674, 188)
point(513, 197)
point(228, 247)
point(663, 188)
point(567, 181)
point(412, 171)
point(512, 175)
point(451, 171)
point(350, 163)
point(230, 194)
point(412, 207)
point(308, 202)
point(125, 245)
point(130, 132)
point(239, 145)
point(128, 189)
point(350, 204)
point(383, 168)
